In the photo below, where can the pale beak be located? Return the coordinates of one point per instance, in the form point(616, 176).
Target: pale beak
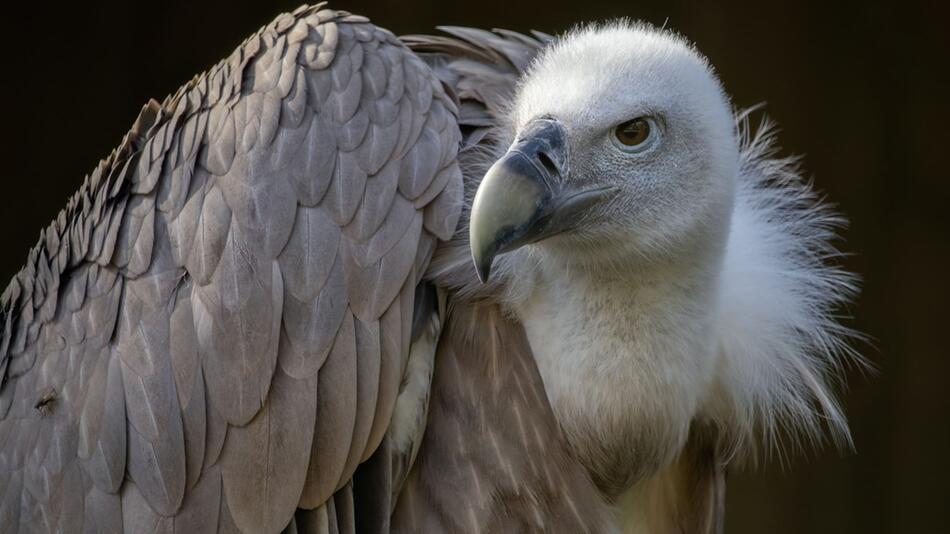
point(524, 197)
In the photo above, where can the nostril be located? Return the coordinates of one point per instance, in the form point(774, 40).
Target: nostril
point(547, 163)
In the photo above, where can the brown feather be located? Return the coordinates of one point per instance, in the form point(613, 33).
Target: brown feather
point(688, 496)
point(493, 458)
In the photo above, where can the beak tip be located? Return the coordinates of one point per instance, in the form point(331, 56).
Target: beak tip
point(483, 267)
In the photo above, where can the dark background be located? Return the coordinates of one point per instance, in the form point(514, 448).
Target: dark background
point(859, 88)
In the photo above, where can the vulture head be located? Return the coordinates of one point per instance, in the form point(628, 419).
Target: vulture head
point(624, 150)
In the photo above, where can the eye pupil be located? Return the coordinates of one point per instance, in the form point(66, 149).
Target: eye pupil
point(633, 132)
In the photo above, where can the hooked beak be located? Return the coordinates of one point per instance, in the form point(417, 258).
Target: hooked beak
point(523, 197)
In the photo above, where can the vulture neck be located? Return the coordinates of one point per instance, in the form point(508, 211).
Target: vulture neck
point(626, 358)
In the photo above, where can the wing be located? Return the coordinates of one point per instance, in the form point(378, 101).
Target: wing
point(213, 333)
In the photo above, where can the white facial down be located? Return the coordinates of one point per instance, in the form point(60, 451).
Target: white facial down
point(675, 188)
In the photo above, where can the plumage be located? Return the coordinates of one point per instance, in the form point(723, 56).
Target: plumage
point(375, 206)
point(156, 446)
point(260, 466)
point(205, 327)
point(368, 363)
point(309, 324)
point(102, 432)
point(478, 457)
point(336, 418)
point(194, 427)
point(102, 512)
point(346, 188)
point(317, 160)
point(419, 165)
point(203, 224)
point(373, 288)
point(260, 313)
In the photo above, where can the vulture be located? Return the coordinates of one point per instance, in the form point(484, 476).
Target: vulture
point(474, 282)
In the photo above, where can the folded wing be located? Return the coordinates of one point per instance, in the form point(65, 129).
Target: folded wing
point(214, 331)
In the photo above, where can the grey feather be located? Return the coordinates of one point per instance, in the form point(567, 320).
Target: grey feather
point(136, 211)
point(103, 512)
point(183, 347)
point(195, 429)
point(400, 216)
point(517, 49)
point(312, 174)
point(336, 418)
point(420, 165)
point(226, 524)
point(137, 515)
point(438, 184)
point(209, 230)
point(262, 464)
point(390, 376)
point(156, 460)
point(216, 432)
point(106, 439)
point(247, 121)
point(442, 215)
point(319, 85)
point(396, 84)
point(201, 508)
point(284, 153)
point(270, 117)
point(346, 188)
point(310, 325)
point(307, 260)
point(376, 203)
point(375, 77)
point(238, 322)
point(294, 107)
point(371, 289)
point(411, 122)
point(241, 223)
point(141, 253)
point(345, 97)
point(377, 146)
point(263, 208)
point(220, 152)
point(350, 134)
point(367, 372)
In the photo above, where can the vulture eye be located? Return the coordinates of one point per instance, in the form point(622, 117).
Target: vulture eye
point(635, 135)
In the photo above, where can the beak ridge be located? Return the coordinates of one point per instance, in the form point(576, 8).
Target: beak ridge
point(507, 201)
point(523, 199)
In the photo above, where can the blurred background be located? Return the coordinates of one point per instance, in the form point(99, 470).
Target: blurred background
point(859, 88)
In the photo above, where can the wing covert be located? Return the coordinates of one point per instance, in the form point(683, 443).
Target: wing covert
point(228, 298)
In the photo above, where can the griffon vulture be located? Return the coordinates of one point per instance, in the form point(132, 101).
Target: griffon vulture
point(480, 282)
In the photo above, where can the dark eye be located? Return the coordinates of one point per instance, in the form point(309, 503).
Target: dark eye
point(635, 135)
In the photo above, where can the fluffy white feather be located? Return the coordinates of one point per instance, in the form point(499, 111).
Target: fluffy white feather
point(781, 344)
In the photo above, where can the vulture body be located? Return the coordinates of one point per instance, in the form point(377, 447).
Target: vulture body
point(261, 314)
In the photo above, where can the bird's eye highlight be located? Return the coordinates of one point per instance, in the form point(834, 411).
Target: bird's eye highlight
point(635, 135)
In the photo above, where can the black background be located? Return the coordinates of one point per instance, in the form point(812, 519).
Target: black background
point(859, 88)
